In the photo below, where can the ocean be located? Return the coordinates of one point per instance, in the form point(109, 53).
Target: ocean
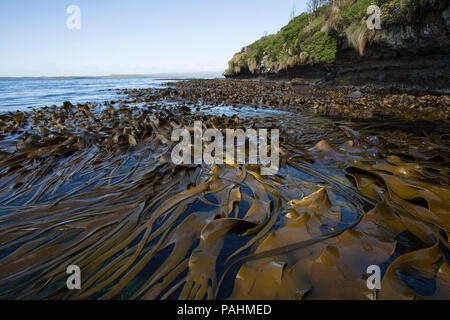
point(22, 94)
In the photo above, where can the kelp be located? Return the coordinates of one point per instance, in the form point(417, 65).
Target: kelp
point(94, 186)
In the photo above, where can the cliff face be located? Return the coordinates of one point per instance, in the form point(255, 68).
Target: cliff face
point(414, 52)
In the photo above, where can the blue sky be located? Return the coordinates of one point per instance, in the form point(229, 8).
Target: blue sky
point(132, 36)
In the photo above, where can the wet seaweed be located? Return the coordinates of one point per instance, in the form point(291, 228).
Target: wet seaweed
point(94, 186)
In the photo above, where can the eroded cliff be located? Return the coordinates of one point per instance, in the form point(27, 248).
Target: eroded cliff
point(335, 45)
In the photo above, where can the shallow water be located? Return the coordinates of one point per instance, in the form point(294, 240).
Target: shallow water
point(100, 192)
point(20, 94)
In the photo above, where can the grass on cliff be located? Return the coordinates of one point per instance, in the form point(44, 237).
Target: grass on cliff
point(410, 11)
point(316, 37)
point(322, 47)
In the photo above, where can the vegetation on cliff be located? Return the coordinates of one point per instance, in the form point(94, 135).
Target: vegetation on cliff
point(316, 37)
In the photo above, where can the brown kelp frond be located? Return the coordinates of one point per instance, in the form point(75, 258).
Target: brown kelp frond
point(94, 186)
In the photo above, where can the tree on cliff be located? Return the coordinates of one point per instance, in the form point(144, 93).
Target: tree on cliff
point(313, 5)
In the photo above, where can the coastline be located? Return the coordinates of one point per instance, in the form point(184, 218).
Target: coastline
point(99, 178)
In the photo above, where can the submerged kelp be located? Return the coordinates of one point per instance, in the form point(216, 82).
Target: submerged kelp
point(94, 186)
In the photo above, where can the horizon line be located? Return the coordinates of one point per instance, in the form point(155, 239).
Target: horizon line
point(125, 75)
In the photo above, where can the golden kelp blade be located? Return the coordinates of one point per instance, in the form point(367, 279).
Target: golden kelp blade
point(94, 186)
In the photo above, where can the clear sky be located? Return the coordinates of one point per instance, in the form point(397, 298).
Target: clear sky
point(132, 36)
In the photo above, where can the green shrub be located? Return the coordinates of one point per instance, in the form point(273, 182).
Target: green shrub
point(355, 12)
point(409, 11)
point(322, 47)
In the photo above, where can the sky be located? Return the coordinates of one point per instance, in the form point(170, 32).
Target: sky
point(132, 36)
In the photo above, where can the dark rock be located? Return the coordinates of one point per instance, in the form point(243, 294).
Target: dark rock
point(355, 95)
point(67, 105)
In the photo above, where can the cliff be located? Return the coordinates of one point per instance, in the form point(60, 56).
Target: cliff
point(334, 44)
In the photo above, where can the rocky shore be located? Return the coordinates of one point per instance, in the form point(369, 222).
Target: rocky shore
point(345, 102)
point(94, 185)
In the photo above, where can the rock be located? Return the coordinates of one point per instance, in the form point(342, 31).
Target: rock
point(355, 95)
point(329, 76)
point(299, 82)
point(446, 16)
point(67, 105)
